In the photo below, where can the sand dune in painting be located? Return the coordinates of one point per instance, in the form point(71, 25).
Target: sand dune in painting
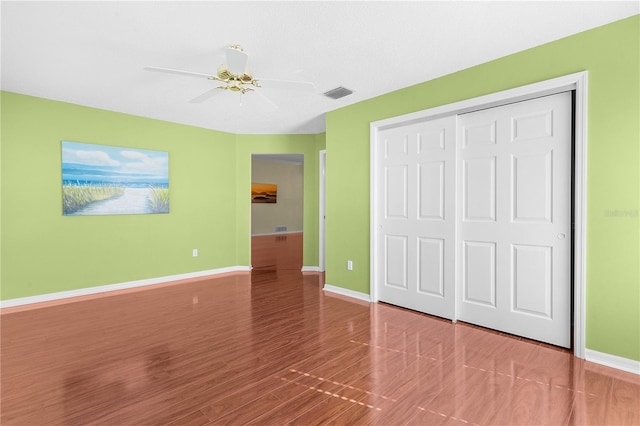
point(264, 193)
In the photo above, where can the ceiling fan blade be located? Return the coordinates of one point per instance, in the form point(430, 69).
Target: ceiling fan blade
point(206, 95)
point(257, 102)
point(236, 61)
point(179, 72)
point(269, 106)
point(301, 86)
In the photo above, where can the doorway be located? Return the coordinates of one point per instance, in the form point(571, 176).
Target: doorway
point(460, 272)
point(277, 211)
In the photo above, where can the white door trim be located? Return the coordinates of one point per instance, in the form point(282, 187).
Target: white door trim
point(322, 213)
point(576, 82)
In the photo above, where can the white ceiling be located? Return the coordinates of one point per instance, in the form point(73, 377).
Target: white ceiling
point(93, 53)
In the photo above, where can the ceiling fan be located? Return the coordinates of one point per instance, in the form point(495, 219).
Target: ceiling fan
point(235, 76)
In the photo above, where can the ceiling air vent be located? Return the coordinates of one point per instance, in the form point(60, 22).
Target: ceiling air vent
point(338, 92)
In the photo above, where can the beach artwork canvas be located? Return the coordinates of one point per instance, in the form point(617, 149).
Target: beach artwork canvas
point(109, 180)
point(264, 193)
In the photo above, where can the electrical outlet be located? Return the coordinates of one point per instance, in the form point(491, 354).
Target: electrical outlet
point(349, 265)
point(195, 252)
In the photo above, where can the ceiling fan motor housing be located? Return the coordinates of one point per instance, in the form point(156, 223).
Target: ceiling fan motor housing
point(234, 80)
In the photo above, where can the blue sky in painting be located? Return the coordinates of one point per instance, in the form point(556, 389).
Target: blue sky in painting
point(89, 163)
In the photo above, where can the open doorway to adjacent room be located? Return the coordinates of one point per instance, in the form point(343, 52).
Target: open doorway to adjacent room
point(277, 211)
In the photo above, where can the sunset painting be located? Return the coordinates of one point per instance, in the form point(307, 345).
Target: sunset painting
point(108, 180)
point(264, 193)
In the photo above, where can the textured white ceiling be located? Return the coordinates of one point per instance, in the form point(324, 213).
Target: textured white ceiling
point(93, 53)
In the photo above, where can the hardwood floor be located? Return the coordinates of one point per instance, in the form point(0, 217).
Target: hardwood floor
point(277, 252)
point(271, 348)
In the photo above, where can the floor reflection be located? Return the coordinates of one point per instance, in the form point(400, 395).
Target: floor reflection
point(270, 347)
point(113, 383)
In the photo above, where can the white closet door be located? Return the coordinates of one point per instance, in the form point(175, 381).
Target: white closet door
point(515, 224)
point(416, 239)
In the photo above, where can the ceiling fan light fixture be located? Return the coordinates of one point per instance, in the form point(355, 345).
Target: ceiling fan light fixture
point(338, 92)
point(236, 86)
point(223, 73)
point(234, 81)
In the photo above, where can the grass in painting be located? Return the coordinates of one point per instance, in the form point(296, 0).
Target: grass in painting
point(76, 196)
point(159, 199)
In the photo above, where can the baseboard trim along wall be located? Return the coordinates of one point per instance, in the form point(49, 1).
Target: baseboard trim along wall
point(91, 291)
point(345, 292)
point(311, 269)
point(613, 361)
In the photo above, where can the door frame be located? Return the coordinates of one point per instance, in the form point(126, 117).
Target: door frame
point(576, 82)
point(322, 211)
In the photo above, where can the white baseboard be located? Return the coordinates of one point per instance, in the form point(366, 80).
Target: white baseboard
point(346, 292)
point(311, 269)
point(120, 286)
point(613, 361)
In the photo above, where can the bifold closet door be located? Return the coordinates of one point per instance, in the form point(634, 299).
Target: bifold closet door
point(416, 235)
point(515, 226)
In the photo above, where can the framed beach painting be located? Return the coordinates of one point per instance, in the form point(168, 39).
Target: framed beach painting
point(110, 180)
point(264, 193)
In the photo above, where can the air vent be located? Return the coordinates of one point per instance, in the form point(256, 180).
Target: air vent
point(338, 92)
point(281, 228)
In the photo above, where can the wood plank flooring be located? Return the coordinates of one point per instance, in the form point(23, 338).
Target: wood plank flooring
point(277, 252)
point(272, 348)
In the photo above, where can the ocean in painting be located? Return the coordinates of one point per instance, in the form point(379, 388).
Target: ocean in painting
point(105, 180)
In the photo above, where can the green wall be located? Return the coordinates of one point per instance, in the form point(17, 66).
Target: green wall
point(611, 56)
point(43, 251)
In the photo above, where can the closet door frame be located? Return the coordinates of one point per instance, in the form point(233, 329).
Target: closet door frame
point(573, 82)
